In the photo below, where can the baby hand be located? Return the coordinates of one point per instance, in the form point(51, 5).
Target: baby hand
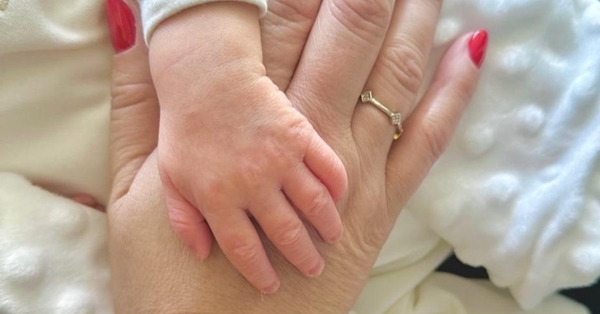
point(232, 146)
point(247, 151)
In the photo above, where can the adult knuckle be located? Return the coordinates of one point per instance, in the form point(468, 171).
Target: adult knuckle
point(405, 64)
point(295, 11)
point(374, 230)
point(289, 233)
point(287, 20)
point(463, 92)
point(435, 138)
point(364, 18)
point(372, 239)
point(436, 3)
point(126, 94)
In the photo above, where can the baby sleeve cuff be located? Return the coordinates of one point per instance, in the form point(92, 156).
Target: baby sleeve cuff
point(155, 11)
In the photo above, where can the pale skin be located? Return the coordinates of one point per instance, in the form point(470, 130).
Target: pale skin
point(382, 174)
point(232, 145)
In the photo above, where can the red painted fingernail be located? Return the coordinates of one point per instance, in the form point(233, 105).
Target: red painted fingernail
point(478, 46)
point(121, 24)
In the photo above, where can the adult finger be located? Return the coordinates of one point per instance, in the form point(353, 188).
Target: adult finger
point(135, 111)
point(431, 126)
point(338, 57)
point(283, 227)
point(398, 72)
point(284, 31)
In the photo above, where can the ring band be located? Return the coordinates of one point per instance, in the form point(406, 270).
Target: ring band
point(396, 118)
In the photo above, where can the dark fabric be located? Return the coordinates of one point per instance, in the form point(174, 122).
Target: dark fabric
point(589, 296)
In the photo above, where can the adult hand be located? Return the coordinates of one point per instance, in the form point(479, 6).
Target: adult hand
point(322, 68)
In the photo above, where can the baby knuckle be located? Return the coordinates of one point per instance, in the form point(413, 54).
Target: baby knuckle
point(178, 218)
point(251, 174)
point(211, 187)
point(364, 18)
point(318, 204)
point(297, 127)
point(405, 63)
point(333, 165)
point(244, 250)
point(297, 131)
point(289, 233)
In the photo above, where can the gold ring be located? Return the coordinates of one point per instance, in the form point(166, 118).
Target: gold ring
point(396, 118)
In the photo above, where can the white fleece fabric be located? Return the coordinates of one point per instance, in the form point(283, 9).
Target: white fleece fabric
point(540, 80)
point(156, 11)
point(518, 190)
point(53, 259)
point(54, 99)
point(53, 253)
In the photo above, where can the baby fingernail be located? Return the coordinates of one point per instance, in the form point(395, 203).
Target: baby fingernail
point(478, 46)
point(317, 270)
point(337, 238)
point(273, 288)
point(121, 24)
point(202, 256)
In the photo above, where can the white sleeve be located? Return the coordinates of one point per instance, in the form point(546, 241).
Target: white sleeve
point(156, 11)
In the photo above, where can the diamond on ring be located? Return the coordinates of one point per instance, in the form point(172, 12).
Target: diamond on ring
point(366, 96)
point(396, 118)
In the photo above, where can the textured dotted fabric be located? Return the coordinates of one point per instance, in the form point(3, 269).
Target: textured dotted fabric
point(53, 253)
point(518, 190)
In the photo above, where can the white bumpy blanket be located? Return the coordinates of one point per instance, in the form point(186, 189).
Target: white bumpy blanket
point(517, 192)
